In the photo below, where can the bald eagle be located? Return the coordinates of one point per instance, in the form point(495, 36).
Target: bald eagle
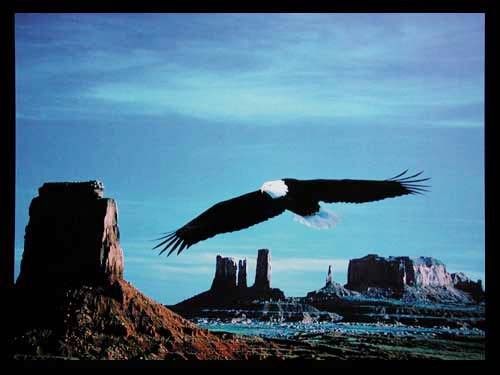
point(301, 197)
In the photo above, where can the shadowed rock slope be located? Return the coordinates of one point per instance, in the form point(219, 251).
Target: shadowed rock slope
point(114, 322)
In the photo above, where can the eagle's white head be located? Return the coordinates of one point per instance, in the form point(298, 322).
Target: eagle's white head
point(275, 189)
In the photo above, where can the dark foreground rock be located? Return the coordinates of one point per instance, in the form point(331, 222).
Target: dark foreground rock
point(389, 347)
point(362, 340)
point(393, 311)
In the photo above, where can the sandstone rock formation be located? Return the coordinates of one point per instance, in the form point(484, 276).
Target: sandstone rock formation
point(263, 270)
point(396, 272)
point(230, 275)
point(225, 294)
point(329, 277)
point(331, 291)
point(225, 274)
point(464, 283)
point(242, 274)
point(429, 272)
point(413, 280)
point(72, 237)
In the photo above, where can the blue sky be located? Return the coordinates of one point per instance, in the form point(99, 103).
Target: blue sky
point(175, 112)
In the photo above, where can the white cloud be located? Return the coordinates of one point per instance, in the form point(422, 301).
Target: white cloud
point(272, 68)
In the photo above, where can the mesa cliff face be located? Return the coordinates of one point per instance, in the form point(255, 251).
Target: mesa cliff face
point(225, 274)
point(242, 274)
point(462, 282)
point(263, 270)
point(417, 279)
point(373, 271)
point(72, 237)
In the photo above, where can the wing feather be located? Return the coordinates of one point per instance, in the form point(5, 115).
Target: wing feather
point(227, 216)
point(360, 191)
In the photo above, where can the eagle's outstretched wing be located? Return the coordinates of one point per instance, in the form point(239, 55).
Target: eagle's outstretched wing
point(359, 191)
point(227, 216)
point(255, 207)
